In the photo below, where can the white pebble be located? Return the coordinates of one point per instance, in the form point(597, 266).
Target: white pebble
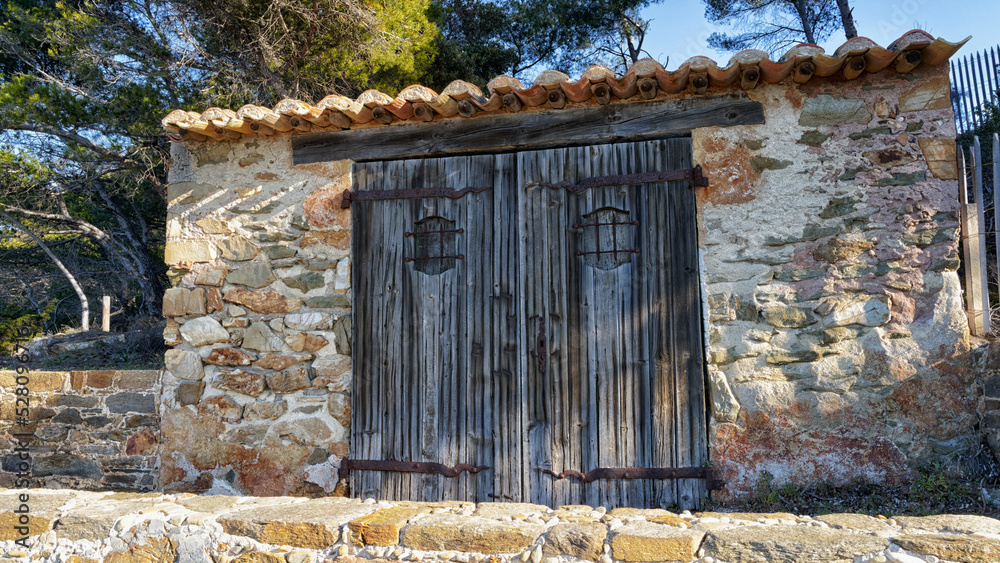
point(462, 557)
point(725, 519)
point(605, 559)
point(878, 559)
point(525, 555)
point(707, 520)
point(902, 557)
point(708, 559)
point(368, 501)
point(343, 550)
point(536, 554)
point(447, 555)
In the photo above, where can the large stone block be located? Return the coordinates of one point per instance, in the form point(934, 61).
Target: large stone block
point(314, 524)
point(229, 356)
point(281, 361)
point(585, 541)
point(131, 402)
point(175, 302)
point(244, 382)
point(449, 532)
point(305, 342)
point(827, 110)
point(310, 321)
point(203, 330)
point(252, 274)
point(789, 544)
point(967, 549)
point(932, 94)
point(260, 338)
point(339, 406)
point(238, 248)
point(213, 276)
point(788, 317)
point(188, 251)
point(184, 364)
point(289, 380)
point(382, 527)
point(262, 301)
point(940, 156)
point(655, 542)
point(866, 311)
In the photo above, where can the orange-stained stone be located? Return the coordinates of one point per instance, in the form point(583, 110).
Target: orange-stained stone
point(213, 300)
point(323, 210)
point(281, 361)
point(382, 527)
point(100, 379)
point(142, 443)
point(340, 239)
point(262, 301)
point(228, 356)
point(221, 408)
point(726, 163)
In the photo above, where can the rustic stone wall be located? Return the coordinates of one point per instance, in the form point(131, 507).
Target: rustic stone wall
point(82, 527)
point(837, 345)
point(256, 394)
point(91, 430)
point(837, 342)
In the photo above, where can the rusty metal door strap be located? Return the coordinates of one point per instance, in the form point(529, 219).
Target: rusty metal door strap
point(405, 467)
point(712, 482)
point(413, 193)
point(693, 174)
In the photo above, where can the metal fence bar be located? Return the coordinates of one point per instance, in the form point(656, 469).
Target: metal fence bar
point(975, 80)
point(996, 204)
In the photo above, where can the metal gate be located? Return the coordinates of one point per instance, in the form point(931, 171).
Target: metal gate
point(528, 328)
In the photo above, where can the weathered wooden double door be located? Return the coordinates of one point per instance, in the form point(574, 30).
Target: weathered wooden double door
point(529, 327)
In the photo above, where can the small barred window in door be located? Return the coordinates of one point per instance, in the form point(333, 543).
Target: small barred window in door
point(434, 245)
point(606, 238)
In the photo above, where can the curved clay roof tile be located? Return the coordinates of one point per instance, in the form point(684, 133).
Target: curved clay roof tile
point(802, 52)
point(913, 39)
point(417, 93)
point(503, 84)
point(748, 57)
point(645, 67)
point(596, 85)
point(597, 73)
point(855, 46)
point(551, 78)
point(372, 98)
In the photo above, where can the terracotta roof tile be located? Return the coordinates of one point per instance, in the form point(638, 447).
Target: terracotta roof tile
point(553, 89)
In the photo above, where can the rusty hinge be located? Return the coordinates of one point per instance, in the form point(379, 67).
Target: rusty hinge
point(712, 482)
point(693, 174)
point(410, 193)
point(405, 467)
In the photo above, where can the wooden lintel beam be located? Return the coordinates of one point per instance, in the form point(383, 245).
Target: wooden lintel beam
point(534, 130)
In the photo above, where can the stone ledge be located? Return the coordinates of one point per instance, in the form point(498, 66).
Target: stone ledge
point(100, 527)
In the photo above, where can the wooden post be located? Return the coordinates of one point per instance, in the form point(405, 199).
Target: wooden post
point(996, 201)
point(106, 314)
point(974, 275)
point(984, 296)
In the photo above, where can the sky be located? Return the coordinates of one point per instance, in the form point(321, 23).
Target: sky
point(679, 29)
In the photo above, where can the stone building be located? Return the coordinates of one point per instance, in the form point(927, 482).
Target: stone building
point(749, 267)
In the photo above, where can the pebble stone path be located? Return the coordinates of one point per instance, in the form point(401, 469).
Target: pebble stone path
point(102, 527)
